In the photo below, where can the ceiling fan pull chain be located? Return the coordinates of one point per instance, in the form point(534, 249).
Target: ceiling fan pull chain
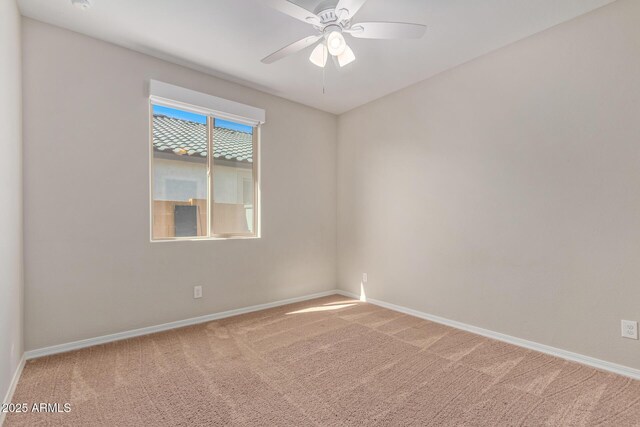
point(323, 68)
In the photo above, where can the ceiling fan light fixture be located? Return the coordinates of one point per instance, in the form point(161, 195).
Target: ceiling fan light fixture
point(347, 57)
point(319, 55)
point(336, 43)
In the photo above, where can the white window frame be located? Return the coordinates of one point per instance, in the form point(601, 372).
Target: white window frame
point(167, 95)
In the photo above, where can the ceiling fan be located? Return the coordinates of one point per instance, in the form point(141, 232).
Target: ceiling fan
point(331, 24)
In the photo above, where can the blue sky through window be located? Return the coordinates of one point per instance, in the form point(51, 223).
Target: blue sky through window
point(219, 123)
point(179, 114)
point(199, 118)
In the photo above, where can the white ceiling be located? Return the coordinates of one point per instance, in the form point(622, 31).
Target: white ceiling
point(227, 38)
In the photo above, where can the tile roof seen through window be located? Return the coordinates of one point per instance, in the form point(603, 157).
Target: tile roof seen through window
point(186, 138)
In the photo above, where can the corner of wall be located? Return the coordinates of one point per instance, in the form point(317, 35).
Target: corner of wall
point(11, 192)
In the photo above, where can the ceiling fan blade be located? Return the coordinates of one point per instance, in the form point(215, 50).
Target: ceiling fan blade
point(387, 30)
point(351, 6)
point(292, 48)
point(293, 10)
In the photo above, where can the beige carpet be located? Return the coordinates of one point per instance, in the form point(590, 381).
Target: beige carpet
point(329, 362)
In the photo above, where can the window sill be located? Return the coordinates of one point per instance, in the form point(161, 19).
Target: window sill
point(202, 239)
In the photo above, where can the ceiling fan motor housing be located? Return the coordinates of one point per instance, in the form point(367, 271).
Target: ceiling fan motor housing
point(331, 17)
point(331, 28)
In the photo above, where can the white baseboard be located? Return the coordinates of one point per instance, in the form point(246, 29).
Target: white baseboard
point(553, 351)
point(564, 354)
point(76, 345)
point(12, 387)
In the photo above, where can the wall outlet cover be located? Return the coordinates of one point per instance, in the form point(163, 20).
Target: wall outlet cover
point(630, 329)
point(197, 291)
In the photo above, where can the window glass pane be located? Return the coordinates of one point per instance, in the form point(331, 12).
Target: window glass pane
point(180, 183)
point(233, 179)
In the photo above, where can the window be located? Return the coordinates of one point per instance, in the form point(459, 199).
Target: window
point(204, 174)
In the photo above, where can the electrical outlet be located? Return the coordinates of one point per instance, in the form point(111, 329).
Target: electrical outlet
point(364, 277)
point(630, 329)
point(197, 291)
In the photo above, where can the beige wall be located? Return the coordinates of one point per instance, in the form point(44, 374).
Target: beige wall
point(11, 195)
point(89, 266)
point(505, 193)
